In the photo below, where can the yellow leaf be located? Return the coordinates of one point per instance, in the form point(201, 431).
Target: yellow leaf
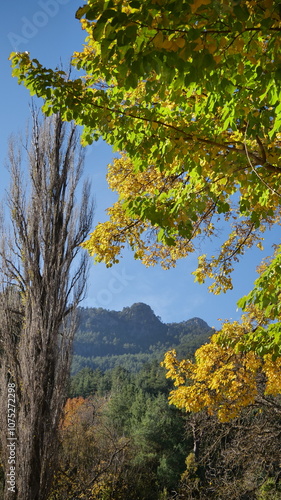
point(195, 6)
point(167, 44)
point(174, 47)
point(239, 44)
point(180, 42)
point(158, 40)
point(212, 47)
point(223, 42)
point(240, 68)
point(199, 45)
point(217, 59)
point(267, 4)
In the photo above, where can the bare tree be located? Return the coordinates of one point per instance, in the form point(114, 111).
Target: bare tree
point(43, 279)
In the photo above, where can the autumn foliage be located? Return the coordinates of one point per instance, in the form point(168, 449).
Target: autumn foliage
point(189, 93)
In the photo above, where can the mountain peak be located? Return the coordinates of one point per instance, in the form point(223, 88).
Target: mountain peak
point(140, 310)
point(135, 329)
point(138, 306)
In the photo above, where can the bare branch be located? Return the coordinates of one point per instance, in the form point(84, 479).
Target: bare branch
point(41, 290)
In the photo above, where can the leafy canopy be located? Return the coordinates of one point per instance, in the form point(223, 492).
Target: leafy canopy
point(189, 91)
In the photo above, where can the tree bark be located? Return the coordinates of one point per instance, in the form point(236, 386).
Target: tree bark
point(40, 291)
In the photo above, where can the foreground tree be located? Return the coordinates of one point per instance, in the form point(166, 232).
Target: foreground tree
point(42, 282)
point(227, 372)
point(190, 90)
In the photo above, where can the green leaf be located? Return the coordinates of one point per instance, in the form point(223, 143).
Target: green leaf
point(98, 30)
point(135, 4)
point(81, 11)
point(91, 14)
point(241, 12)
point(222, 207)
point(242, 303)
point(208, 61)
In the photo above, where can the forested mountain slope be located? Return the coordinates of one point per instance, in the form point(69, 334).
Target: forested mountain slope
point(120, 429)
point(131, 337)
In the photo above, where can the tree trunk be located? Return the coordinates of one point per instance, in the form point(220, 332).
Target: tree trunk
point(40, 292)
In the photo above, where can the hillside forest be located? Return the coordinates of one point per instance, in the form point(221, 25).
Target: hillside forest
point(120, 437)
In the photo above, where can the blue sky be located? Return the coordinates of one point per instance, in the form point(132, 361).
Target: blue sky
point(49, 31)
